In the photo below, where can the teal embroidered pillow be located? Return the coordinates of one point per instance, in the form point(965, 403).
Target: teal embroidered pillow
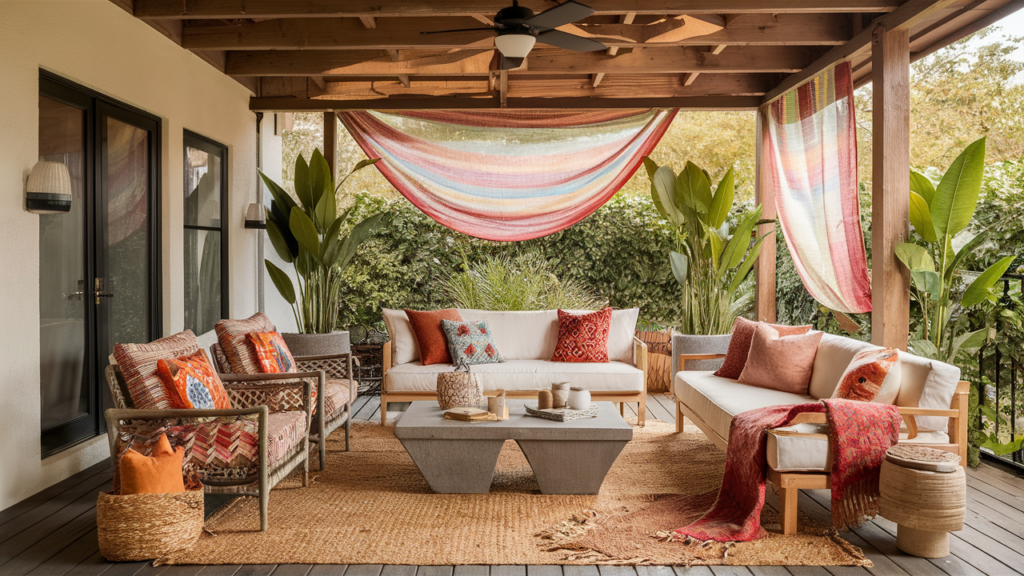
point(470, 342)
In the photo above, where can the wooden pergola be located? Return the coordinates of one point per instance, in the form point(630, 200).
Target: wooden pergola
point(330, 55)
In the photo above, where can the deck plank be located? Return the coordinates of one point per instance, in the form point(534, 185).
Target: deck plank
point(544, 570)
point(328, 570)
point(435, 571)
point(508, 570)
point(398, 570)
point(292, 569)
point(64, 561)
point(473, 570)
point(256, 570)
point(218, 570)
point(51, 508)
point(656, 411)
point(17, 511)
point(94, 565)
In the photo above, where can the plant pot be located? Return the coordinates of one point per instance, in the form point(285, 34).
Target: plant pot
point(317, 344)
point(693, 344)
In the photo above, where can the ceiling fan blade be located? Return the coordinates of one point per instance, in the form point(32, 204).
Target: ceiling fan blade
point(565, 13)
point(458, 30)
point(510, 63)
point(569, 41)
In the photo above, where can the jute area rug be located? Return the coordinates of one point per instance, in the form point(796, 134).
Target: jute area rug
point(372, 506)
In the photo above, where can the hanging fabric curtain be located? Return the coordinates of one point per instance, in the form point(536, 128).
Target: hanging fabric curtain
point(810, 151)
point(508, 174)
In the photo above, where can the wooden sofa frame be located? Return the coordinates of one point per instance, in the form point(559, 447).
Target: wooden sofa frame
point(640, 397)
point(790, 483)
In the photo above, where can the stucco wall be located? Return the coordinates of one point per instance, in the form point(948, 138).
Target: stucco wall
point(98, 45)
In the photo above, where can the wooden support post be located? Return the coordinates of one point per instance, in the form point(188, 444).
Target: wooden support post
point(890, 192)
point(331, 140)
point(764, 194)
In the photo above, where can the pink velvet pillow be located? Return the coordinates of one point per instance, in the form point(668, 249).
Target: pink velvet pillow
point(780, 362)
point(739, 345)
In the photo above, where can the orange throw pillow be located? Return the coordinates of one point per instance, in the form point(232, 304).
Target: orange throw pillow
point(739, 345)
point(156, 474)
point(873, 375)
point(191, 383)
point(426, 326)
point(272, 352)
point(780, 362)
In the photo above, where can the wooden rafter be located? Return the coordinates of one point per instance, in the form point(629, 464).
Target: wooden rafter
point(234, 9)
point(446, 103)
point(667, 60)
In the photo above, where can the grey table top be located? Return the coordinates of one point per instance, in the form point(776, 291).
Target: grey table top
point(425, 420)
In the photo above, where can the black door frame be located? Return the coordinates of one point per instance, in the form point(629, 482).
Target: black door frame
point(192, 139)
point(97, 107)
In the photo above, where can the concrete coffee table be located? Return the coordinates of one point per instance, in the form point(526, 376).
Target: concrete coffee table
point(566, 457)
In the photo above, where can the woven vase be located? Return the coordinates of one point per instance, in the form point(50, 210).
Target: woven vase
point(459, 389)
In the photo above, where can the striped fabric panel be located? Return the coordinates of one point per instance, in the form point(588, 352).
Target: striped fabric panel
point(138, 363)
point(810, 142)
point(508, 174)
point(231, 334)
point(285, 431)
point(336, 394)
point(219, 444)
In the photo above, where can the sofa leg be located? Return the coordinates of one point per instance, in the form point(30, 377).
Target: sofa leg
point(622, 409)
point(348, 430)
point(789, 497)
point(641, 412)
point(679, 418)
point(383, 410)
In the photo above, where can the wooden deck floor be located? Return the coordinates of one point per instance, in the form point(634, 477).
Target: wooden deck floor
point(54, 532)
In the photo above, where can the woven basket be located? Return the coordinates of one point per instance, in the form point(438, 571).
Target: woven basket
point(147, 526)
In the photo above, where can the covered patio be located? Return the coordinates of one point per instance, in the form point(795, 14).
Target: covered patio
point(219, 78)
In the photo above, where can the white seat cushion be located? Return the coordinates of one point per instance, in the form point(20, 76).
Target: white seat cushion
point(804, 447)
point(523, 375)
point(716, 400)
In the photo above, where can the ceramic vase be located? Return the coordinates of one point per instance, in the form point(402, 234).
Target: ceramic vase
point(459, 389)
point(559, 395)
point(579, 399)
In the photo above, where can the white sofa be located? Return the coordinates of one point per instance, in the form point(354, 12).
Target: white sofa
point(526, 340)
point(932, 400)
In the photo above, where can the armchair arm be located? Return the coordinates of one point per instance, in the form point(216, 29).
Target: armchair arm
point(115, 416)
point(907, 412)
point(684, 357)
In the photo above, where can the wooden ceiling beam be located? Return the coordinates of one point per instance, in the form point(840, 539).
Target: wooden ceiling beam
point(405, 33)
point(911, 13)
point(234, 9)
point(663, 60)
point(652, 86)
point(450, 103)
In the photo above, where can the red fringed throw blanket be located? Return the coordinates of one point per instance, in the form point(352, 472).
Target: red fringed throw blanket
point(860, 433)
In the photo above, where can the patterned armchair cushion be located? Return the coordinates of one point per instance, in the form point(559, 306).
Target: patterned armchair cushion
point(336, 393)
point(191, 382)
point(231, 334)
point(285, 432)
point(138, 363)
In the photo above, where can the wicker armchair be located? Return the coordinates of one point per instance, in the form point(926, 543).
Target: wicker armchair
point(336, 390)
point(244, 451)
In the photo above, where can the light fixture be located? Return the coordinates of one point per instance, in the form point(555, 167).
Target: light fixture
point(256, 216)
point(49, 189)
point(515, 44)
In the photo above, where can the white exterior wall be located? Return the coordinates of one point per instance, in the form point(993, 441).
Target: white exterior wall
point(98, 45)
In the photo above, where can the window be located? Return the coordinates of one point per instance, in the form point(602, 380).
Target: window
point(206, 238)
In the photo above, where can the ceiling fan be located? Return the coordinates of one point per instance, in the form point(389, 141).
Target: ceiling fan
point(518, 28)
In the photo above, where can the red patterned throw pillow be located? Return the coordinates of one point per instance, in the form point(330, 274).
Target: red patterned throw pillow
point(583, 337)
point(272, 353)
point(190, 382)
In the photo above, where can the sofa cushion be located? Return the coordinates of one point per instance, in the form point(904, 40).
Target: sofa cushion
point(191, 382)
point(285, 432)
point(430, 338)
point(927, 384)
point(834, 355)
point(872, 376)
point(138, 363)
point(231, 334)
point(403, 340)
point(272, 353)
point(780, 362)
point(522, 375)
point(716, 400)
point(739, 344)
point(804, 447)
point(470, 342)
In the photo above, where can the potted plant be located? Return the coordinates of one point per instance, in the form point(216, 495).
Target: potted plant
point(309, 235)
point(940, 215)
point(711, 258)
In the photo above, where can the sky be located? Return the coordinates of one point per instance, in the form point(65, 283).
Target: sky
point(1013, 25)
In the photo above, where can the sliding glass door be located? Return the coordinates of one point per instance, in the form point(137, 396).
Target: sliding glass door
point(98, 263)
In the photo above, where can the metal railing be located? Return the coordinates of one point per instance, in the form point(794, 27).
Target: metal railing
point(998, 384)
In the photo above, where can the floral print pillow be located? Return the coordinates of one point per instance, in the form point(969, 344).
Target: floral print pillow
point(470, 342)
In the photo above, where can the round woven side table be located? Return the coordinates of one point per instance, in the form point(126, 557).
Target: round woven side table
point(924, 491)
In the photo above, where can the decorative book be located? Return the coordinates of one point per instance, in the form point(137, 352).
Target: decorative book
point(562, 414)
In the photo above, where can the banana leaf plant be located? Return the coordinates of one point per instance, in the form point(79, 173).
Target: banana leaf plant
point(309, 235)
point(712, 257)
point(941, 215)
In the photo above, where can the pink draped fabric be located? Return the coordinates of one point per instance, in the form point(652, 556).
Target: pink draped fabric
point(508, 174)
point(810, 147)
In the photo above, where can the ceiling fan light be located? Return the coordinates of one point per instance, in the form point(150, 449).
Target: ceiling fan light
point(515, 45)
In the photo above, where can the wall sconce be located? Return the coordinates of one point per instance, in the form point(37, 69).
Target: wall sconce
point(49, 189)
point(256, 216)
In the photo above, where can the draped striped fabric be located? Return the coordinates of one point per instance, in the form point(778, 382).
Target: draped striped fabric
point(810, 147)
point(508, 174)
